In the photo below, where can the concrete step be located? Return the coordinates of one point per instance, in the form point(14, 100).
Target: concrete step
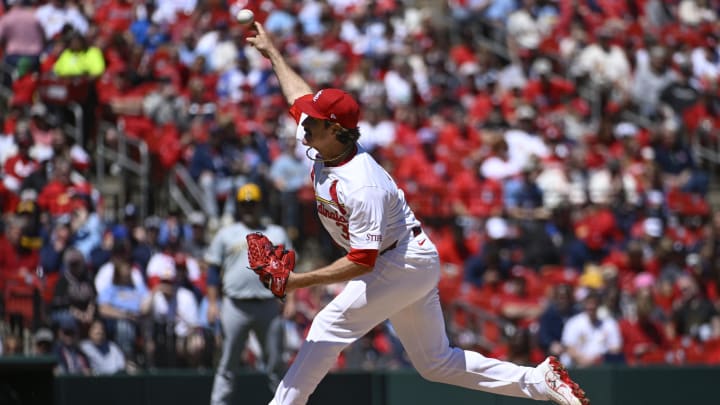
point(112, 190)
point(713, 198)
point(111, 185)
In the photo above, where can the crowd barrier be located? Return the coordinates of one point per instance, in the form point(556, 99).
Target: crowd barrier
point(31, 382)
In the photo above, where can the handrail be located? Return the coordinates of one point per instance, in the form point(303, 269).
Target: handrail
point(494, 46)
point(639, 120)
point(187, 196)
point(6, 92)
point(709, 154)
point(180, 172)
point(76, 131)
point(139, 167)
point(177, 195)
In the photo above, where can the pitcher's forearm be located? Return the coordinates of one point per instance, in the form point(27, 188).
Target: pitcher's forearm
point(339, 271)
point(292, 85)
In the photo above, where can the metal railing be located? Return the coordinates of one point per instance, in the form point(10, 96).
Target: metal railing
point(184, 190)
point(119, 153)
point(76, 131)
point(706, 150)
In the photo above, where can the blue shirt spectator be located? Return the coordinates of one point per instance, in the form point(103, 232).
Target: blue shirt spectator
point(126, 298)
point(553, 319)
point(88, 235)
point(522, 193)
point(499, 10)
point(280, 22)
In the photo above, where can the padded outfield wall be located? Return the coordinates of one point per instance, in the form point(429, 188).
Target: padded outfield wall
point(32, 383)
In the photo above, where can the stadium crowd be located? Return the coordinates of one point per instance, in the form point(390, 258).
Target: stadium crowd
point(547, 146)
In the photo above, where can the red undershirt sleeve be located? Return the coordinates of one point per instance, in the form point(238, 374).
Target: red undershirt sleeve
point(363, 257)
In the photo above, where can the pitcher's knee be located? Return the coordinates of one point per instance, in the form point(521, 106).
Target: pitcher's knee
point(440, 368)
point(435, 372)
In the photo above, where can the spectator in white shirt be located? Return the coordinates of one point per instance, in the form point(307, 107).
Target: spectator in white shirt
point(590, 338)
point(104, 355)
point(524, 29)
point(523, 141)
point(705, 60)
point(56, 14)
point(399, 84)
point(166, 11)
point(499, 166)
point(174, 313)
point(652, 75)
point(559, 185)
point(605, 64)
point(695, 12)
point(377, 129)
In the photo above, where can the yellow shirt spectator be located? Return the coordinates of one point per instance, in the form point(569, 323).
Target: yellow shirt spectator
point(79, 59)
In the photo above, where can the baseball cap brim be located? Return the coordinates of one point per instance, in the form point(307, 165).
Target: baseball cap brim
point(306, 106)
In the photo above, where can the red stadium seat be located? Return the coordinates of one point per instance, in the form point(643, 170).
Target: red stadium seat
point(20, 301)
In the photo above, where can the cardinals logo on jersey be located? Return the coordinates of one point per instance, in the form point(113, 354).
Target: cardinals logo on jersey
point(334, 210)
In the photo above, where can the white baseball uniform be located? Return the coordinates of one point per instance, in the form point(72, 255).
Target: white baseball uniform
point(363, 210)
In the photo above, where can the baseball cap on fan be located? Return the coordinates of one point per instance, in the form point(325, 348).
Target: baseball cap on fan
point(332, 105)
point(250, 192)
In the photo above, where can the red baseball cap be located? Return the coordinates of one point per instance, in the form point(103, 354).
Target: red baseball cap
point(333, 105)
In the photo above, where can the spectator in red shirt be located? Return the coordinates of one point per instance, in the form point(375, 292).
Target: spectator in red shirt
point(56, 195)
point(597, 229)
point(631, 261)
point(474, 194)
point(643, 332)
point(453, 250)
point(547, 91)
point(425, 174)
point(115, 15)
point(519, 348)
point(18, 258)
point(704, 116)
point(586, 13)
point(522, 303)
point(17, 168)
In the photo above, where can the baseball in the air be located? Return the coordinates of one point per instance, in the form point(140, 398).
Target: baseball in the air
point(245, 16)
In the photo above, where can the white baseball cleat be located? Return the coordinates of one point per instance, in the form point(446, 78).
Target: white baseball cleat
point(559, 387)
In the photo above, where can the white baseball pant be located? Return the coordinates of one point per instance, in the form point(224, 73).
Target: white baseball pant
point(401, 288)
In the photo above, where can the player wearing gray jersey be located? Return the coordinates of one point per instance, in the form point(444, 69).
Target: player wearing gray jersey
point(246, 304)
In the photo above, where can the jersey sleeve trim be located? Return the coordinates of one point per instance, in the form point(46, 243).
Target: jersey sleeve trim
point(363, 257)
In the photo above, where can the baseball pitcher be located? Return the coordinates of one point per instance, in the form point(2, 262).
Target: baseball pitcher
point(392, 267)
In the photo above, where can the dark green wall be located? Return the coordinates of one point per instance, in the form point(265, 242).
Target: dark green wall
point(604, 386)
point(31, 383)
point(26, 381)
